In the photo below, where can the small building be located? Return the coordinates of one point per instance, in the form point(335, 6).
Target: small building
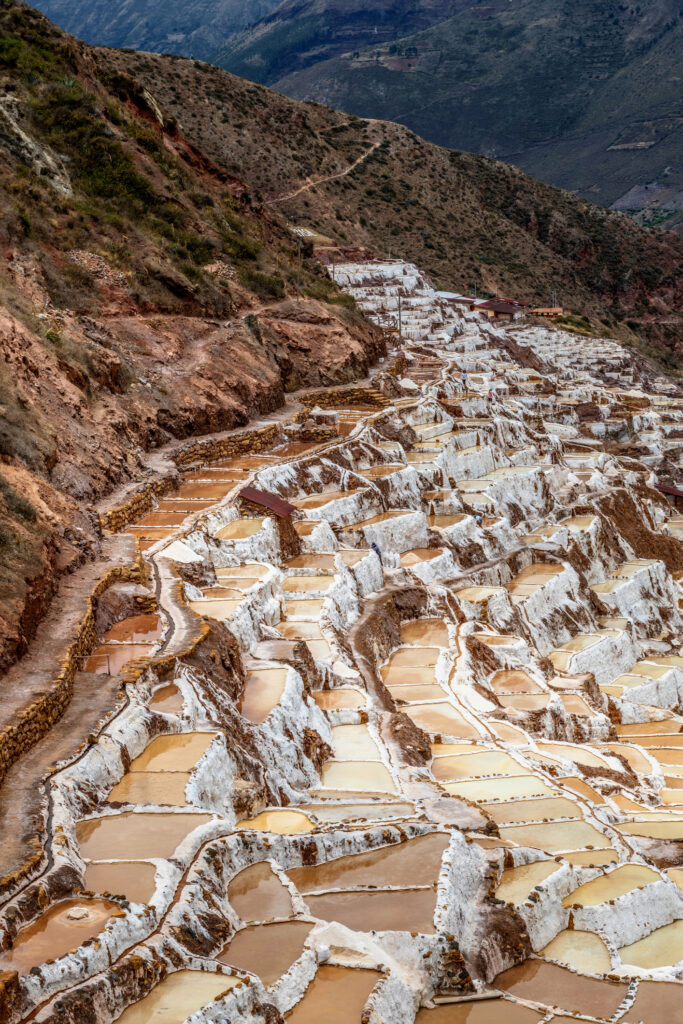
point(549, 311)
point(499, 309)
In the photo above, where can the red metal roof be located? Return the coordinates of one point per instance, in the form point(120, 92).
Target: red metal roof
point(497, 306)
point(668, 489)
point(269, 501)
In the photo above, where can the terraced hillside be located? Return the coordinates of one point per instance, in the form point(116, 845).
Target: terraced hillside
point(380, 721)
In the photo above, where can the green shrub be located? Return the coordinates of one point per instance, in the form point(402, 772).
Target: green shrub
point(239, 247)
point(68, 119)
point(17, 503)
point(266, 286)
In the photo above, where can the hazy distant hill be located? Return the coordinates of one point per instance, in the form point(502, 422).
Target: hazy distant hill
point(164, 26)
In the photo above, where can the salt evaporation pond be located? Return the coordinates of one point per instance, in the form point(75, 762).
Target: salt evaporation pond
point(262, 691)
point(285, 823)
point(178, 996)
point(61, 928)
point(151, 788)
point(413, 862)
point(257, 894)
point(267, 950)
point(516, 883)
point(554, 836)
point(499, 787)
point(402, 910)
point(167, 700)
point(329, 812)
point(541, 982)
point(480, 1011)
point(661, 948)
point(612, 885)
point(135, 836)
point(132, 879)
point(336, 995)
point(364, 776)
point(340, 698)
point(584, 951)
point(429, 632)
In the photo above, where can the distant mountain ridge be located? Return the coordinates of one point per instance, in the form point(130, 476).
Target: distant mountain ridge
point(585, 95)
point(163, 26)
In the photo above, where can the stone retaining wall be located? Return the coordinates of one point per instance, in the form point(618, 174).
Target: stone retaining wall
point(247, 443)
point(139, 503)
point(35, 721)
point(143, 500)
point(343, 397)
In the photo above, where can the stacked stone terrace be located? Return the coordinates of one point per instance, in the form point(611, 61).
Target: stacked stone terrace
point(426, 761)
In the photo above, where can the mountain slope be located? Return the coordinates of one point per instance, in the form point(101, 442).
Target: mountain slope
point(144, 296)
point(171, 26)
point(585, 95)
point(463, 218)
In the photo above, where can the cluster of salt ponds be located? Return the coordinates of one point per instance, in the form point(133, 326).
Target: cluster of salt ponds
point(554, 797)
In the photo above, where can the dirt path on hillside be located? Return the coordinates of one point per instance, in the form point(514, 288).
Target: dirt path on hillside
point(329, 177)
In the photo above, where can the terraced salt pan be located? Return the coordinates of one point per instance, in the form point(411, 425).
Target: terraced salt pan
point(509, 734)
point(550, 985)
point(328, 813)
point(513, 681)
point(405, 910)
point(267, 950)
point(484, 1011)
point(64, 926)
point(110, 659)
point(318, 500)
point(467, 766)
point(555, 836)
point(353, 743)
point(220, 609)
point(415, 694)
point(164, 788)
point(571, 752)
point(132, 879)
point(357, 776)
point(136, 630)
point(176, 752)
point(178, 996)
point(285, 823)
point(167, 700)
point(414, 862)
point(661, 948)
point(239, 529)
point(611, 885)
point(339, 699)
point(531, 810)
point(441, 717)
point(584, 951)
point(262, 691)
point(135, 836)
point(516, 883)
point(500, 788)
point(257, 894)
point(336, 995)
